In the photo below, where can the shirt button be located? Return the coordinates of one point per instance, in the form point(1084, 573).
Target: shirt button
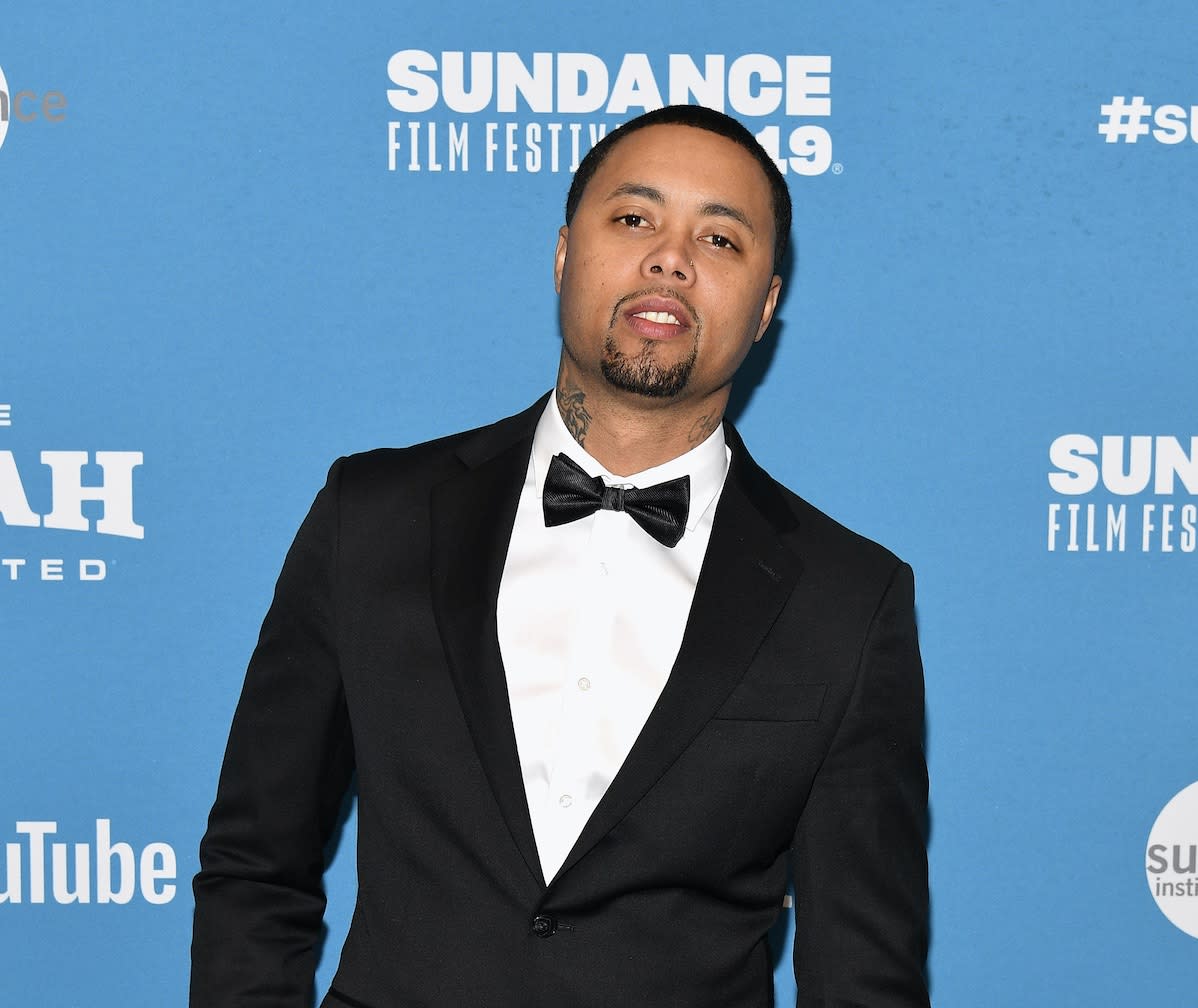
point(565, 801)
point(584, 684)
point(543, 927)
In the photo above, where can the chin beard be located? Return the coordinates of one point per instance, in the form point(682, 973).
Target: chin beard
point(643, 374)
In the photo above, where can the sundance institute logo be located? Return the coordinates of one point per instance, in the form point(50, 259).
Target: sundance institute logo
point(1171, 860)
point(28, 106)
point(4, 109)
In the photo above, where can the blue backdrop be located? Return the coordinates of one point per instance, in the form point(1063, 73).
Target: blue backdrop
point(234, 246)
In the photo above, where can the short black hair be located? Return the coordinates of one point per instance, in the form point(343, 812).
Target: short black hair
point(703, 118)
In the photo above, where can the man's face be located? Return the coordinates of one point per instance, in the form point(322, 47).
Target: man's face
point(666, 272)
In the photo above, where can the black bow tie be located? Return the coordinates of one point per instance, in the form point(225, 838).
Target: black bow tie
point(571, 494)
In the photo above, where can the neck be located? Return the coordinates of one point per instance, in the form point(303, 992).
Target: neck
point(626, 436)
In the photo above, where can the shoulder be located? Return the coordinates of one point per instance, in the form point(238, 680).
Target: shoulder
point(822, 535)
point(420, 466)
point(836, 554)
point(855, 571)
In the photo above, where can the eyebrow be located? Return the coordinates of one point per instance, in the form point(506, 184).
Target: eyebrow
point(653, 195)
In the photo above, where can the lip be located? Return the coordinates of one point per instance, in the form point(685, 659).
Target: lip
point(658, 330)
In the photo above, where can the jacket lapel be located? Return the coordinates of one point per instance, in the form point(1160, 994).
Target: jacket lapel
point(747, 576)
point(472, 518)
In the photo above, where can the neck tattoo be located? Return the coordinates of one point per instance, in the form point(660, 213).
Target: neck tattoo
point(571, 403)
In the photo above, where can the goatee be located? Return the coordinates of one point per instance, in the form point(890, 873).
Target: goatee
point(642, 373)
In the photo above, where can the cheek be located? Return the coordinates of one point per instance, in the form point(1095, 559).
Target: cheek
point(591, 287)
point(585, 302)
point(729, 309)
point(750, 304)
point(730, 327)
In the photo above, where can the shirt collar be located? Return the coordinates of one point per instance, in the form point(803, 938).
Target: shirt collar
point(706, 463)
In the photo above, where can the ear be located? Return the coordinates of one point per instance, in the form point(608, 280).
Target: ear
point(767, 309)
point(559, 257)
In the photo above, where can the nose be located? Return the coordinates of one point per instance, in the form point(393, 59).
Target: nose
point(669, 260)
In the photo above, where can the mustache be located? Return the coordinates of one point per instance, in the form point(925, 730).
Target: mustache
point(667, 292)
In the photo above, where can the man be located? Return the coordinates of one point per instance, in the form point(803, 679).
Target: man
point(601, 679)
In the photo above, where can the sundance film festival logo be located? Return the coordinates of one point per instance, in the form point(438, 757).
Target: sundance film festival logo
point(1127, 121)
point(101, 481)
point(1123, 493)
point(1171, 860)
point(510, 112)
point(5, 107)
point(28, 106)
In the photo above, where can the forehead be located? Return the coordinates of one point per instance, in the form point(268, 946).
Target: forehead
point(685, 162)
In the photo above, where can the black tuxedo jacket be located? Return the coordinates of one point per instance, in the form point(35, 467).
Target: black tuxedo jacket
point(790, 729)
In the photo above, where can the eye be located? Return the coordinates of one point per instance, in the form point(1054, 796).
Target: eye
point(631, 220)
point(721, 241)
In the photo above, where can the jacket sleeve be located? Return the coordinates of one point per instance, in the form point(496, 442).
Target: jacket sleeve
point(259, 894)
point(859, 856)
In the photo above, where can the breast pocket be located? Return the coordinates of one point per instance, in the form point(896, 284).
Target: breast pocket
point(753, 700)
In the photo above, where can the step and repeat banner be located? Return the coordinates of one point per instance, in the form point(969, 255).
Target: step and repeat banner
point(235, 244)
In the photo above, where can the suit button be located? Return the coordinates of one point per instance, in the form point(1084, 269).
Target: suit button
point(543, 927)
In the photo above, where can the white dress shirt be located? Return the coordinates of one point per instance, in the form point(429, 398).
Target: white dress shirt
point(590, 617)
